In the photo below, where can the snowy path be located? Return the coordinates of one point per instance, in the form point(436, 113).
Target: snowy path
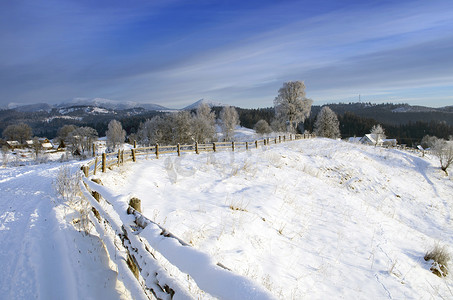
point(41, 257)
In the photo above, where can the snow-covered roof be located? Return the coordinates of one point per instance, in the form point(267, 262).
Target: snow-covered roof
point(370, 138)
point(13, 143)
point(47, 145)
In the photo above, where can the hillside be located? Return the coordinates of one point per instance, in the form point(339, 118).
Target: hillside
point(309, 219)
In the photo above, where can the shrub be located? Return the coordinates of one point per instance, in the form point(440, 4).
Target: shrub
point(440, 258)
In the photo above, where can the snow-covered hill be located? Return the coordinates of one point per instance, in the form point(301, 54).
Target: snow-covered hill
point(317, 219)
point(110, 104)
point(199, 102)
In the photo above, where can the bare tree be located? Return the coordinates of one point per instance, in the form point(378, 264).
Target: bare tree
point(262, 127)
point(291, 105)
point(444, 151)
point(115, 135)
point(63, 134)
point(203, 124)
point(327, 124)
point(378, 133)
point(36, 147)
point(229, 119)
point(82, 139)
point(20, 132)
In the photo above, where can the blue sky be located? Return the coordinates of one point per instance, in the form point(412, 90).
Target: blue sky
point(173, 52)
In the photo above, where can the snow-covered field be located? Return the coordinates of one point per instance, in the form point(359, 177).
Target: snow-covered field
point(311, 219)
point(308, 219)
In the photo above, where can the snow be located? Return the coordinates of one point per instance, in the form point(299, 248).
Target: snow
point(313, 218)
point(42, 256)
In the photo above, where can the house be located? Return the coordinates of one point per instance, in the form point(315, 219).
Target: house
point(44, 143)
point(47, 146)
point(13, 144)
point(372, 139)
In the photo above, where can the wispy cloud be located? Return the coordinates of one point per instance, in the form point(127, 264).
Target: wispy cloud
point(159, 54)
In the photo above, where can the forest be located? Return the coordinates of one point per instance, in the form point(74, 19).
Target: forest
point(408, 124)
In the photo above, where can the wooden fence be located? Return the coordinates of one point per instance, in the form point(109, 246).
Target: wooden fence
point(109, 160)
point(138, 253)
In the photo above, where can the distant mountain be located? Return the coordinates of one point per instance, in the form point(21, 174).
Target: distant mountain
point(199, 102)
point(39, 107)
point(111, 104)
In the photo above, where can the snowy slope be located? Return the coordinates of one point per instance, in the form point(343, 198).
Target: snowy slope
point(310, 219)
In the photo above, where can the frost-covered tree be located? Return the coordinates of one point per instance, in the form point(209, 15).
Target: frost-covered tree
point(428, 141)
point(181, 127)
point(229, 119)
point(203, 124)
point(115, 135)
point(291, 105)
point(5, 155)
point(378, 133)
point(327, 124)
point(18, 132)
point(154, 131)
point(262, 127)
point(444, 151)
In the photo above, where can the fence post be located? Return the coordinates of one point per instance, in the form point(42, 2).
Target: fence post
point(133, 155)
point(279, 138)
point(275, 140)
point(104, 158)
point(135, 203)
point(256, 144)
point(135, 144)
point(196, 148)
point(85, 170)
point(232, 146)
point(119, 157)
point(213, 147)
point(246, 145)
point(284, 138)
point(157, 150)
point(94, 149)
point(95, 165)
point(179, 150)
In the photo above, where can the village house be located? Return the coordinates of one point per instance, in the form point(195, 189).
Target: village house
point(370, 139)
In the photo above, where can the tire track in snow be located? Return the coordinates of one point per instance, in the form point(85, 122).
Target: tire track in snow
point(33, 263)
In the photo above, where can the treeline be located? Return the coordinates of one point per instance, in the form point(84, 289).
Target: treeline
point(410, 133)
point(351, 124)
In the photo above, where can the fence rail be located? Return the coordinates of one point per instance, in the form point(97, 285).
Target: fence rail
point(138, 240)
point(109, 160)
